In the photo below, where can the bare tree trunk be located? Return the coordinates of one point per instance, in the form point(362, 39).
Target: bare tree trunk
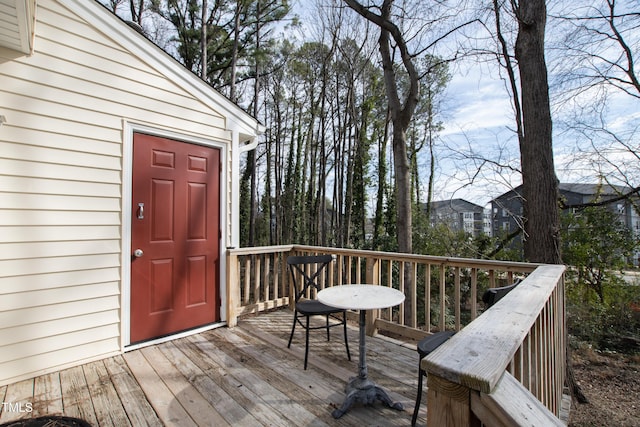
point(351, 136)
point(540, 185)
point(251, 158)
point(203, 42)
point(234, 55)
point(338, 185)
point(432, 169)
point(401, 114)
point(321, 194)
point(403, 190)
point(539, 182)
point(401, 111)
point(136, 10)
point(382, 185)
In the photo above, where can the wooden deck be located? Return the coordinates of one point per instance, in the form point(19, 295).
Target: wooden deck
point(244, 376)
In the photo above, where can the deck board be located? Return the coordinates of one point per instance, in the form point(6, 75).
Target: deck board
point(206, 411)
point(165, 403)
point(107, 405)
point(242, 376)
point(75, 395)
point(211, 384)
point(136, 405)
point(48, 394)
point(321, 387)
point(264, 399)
point(305, 389)
point(18, 395)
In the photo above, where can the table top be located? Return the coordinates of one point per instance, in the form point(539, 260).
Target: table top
point(360, 297)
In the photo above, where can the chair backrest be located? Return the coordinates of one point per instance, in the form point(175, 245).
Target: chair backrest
point(301, 267)
point(493, 295)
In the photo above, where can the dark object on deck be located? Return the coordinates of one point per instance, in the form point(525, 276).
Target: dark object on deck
point(433, 341)
point(48, 421)
point(493, 295)
point(301, 268)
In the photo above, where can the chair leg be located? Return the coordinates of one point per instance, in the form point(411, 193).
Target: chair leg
point(421, 374)
point(346, 341)
point(293, 328)
point(306, 344)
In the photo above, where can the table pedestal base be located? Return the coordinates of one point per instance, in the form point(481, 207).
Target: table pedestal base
point(364, 391)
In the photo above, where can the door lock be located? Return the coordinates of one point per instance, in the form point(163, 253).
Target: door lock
point(138, 253)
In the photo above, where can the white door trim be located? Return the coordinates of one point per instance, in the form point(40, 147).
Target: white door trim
point(129, 129)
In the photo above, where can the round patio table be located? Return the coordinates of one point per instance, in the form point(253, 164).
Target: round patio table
point(362, 297)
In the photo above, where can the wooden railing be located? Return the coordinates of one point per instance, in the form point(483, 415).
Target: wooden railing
point(256, 280)
point(507, 367)
point(518, 344)
point(442, 293)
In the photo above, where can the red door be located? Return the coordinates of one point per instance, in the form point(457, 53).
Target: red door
point(175, 234)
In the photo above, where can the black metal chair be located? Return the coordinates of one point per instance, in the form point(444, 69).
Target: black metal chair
point(305, 279)
point(433, 341)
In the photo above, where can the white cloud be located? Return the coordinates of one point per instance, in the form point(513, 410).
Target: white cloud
point(477, 103)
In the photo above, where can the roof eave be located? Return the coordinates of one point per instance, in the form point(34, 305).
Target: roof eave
point(17, 28)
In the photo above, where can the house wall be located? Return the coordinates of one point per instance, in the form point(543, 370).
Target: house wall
point(62, 192)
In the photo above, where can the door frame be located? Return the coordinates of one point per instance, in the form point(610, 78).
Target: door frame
point(127, 215)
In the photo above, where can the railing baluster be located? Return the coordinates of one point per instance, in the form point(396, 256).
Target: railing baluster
point(390, 285)
point(516, 368)
point(402, 270)
point(256, 279)
point(265, 279)
point(247, 280)
point(546, 345)
point(427, 298)
point(414, 295)
point(443, 298)
point(474, 293)
point(276, 277)
point(526, 378)
point(456, 297)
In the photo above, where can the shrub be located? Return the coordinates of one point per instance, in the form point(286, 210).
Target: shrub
point(612, 323)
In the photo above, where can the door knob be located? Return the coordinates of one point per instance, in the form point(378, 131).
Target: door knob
point(138, 253)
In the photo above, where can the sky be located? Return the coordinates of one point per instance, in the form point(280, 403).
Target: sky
point(478, 117)
point(480, 113)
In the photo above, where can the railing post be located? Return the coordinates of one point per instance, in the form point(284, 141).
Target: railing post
point(372, 277)
point(233, 289)
point(448, 404)
point(285, 280)
point(291, 292)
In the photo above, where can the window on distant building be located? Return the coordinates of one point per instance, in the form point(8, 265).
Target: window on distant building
point(506, 225)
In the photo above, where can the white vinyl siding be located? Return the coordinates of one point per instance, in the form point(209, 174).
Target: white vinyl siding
point(61, 189)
